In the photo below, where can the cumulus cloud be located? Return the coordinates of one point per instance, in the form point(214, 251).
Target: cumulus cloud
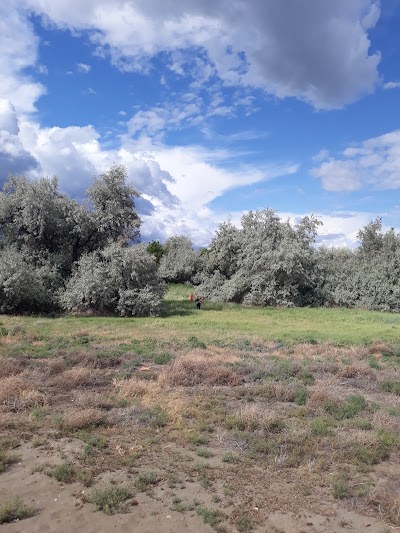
point(19, 47)
point(317, 51)
point(373, 163)
point(14, 159)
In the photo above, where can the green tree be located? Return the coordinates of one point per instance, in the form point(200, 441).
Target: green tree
point(156, 249)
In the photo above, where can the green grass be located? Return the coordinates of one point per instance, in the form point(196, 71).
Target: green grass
point(15, 510)
point(180, 321)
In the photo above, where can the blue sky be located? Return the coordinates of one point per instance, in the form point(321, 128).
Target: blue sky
point(215, 107)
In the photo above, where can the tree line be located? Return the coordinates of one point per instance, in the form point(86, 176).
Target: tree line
point(57, 254)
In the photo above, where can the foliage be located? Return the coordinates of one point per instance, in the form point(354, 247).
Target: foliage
point(266, 262)
point(156, 249)
point(120, 280)
point(179, 262)
point(48, 242)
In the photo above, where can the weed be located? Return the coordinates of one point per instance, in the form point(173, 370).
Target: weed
point(111, 499)
point(390, 386)
point(146, 480)
point(163, 358)
point(199, 439)
point(6, 460)
point(300, 397)
point(194, 342)
point(230, 457)
point(15, 510)
point(321, 427)
point(65, 473)
point(209, 516)
point(245, 524)
point(37, 441)
point(38, 414)
point(373, 363)
point(353, 405)
point(154, 417)
point(306, 377)
point(203, 452)
point(340, 486)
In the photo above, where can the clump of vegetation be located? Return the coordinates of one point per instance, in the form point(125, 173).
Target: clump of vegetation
point(146, 480)
point(64, 473)
point(6, 460)
point(188, 372)
point(351, 407)
point(111, 499)
point(391, 386)
point(14, 510)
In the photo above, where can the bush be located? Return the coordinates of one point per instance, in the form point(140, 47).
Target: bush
point(24, 286)
point(118, 280)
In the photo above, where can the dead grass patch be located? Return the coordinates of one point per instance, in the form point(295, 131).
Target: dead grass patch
point(17, 393)
point(187, 372)
point(74, 377)
point(87, 398)
point(133, 387)
point(84, 418)
point(55, 366)
point(355, 371)
point(10, 367)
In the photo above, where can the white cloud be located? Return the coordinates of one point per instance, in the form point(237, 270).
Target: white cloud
point(14, 158)
point(42, 69)
point(317, 51)
point(83, 68)
point(373, 163)
point(19, 47)
point(392, 85)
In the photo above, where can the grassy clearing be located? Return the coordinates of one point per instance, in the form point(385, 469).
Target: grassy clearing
point(211, 401)
point(227, 323)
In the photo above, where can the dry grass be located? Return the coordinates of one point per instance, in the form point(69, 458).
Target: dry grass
point(187, 372)
point(74, 377)
point(87, 398)
point(17, 393)
point(133, 388)
point(84, 418)
point(10, 367)
point(355, 371)
point(55, 366)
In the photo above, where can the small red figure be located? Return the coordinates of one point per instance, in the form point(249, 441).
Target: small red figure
point(191, 297)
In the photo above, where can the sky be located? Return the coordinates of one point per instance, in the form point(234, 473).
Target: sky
point(215, 107)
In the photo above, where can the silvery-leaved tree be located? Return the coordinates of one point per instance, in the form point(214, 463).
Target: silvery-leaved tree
point(117, 279)
point(180, 262)
point(50, 232)
point(265, 262)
